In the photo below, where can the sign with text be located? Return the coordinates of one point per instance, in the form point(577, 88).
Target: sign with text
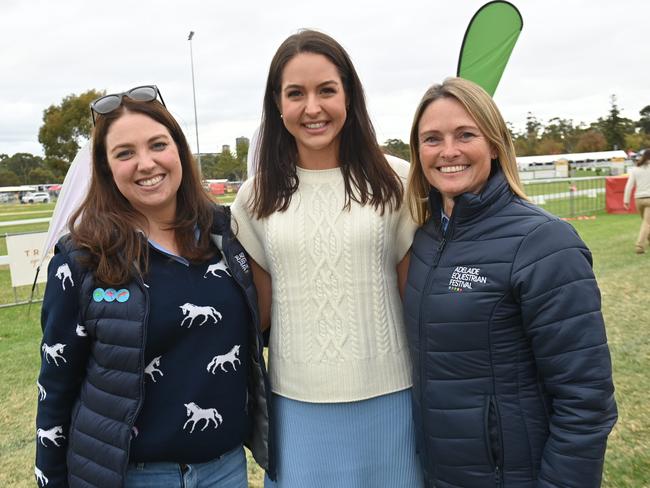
point(24, 251)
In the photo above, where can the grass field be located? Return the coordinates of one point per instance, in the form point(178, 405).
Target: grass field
point(622, 278)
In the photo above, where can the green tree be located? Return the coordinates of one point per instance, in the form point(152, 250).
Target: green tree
point(562, 131)
point(397, 148)
point(591, 140)
point(230, 167)
point(644, 121)
point(526, 142)
point(8, 178)
point(548, 145)
point(209, 166)
point(66, 126)
point(636, 141)
point(58, 167)
point(21, 164)
point(40, 175)
point(614, 127)
point(241, 148)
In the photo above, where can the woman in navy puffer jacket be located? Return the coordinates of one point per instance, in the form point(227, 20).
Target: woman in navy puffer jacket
point(512, 372)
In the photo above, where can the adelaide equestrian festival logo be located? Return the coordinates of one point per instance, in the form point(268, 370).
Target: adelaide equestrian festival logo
point(463, 278)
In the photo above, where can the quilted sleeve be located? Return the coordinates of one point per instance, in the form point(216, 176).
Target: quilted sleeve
point(64, 353)
point(561, 313)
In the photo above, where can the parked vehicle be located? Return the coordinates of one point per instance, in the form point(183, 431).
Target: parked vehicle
point(36, 197)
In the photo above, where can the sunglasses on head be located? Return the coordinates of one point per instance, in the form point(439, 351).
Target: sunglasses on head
point(108, 103)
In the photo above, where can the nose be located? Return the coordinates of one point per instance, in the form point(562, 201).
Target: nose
point(146, 161)
point(449, 149)
point(312, 107)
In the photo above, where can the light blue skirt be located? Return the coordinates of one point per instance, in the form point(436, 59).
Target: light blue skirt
point(369, 443)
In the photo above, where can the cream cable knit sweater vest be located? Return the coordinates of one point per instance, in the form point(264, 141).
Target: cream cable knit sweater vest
point(337, 332)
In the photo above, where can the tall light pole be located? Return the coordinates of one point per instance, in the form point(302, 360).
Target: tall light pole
point(196, 120)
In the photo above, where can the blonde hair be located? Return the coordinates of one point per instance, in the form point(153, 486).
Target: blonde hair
point(485, 113)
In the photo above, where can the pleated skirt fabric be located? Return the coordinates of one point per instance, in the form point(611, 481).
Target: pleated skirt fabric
point(363, 444)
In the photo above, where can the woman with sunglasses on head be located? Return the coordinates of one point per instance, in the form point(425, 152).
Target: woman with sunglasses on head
point(152, 370)
point(324, 224)
point(512, 373)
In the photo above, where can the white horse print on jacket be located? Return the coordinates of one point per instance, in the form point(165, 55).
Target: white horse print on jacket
point(193, 311)
point(55, 352)
point(152, 368)
point(81, 331)
point(229, 357)
point(41, 479)
point(52, 434)
point(63, 273)
point(197, 413)
point(214, 269)
point(41, 392)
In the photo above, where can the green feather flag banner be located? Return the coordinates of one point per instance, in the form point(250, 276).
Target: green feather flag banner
point(489, 40)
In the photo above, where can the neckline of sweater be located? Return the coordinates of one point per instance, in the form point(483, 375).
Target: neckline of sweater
point(319, 175)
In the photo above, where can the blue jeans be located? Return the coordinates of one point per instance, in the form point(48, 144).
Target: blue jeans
point(228, 471)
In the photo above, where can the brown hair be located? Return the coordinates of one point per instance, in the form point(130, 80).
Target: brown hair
point(368, 178)
point(109, 228)
point(643, 160)
point(484, 111)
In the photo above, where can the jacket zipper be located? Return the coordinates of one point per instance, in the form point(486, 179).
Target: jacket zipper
point(427, 285)
point(225, 243)
point(140, 281)
point(497, 463)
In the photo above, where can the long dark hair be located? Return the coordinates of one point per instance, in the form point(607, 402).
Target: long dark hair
point(109, 229)
point(368, 178)
point(643, 160)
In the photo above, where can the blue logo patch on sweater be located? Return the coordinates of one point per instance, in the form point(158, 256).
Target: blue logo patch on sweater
point(465, 278)
point(110, 294)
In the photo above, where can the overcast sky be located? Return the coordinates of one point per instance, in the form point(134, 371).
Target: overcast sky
point(570, 57)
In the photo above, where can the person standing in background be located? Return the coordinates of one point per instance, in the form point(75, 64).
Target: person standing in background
point(639, 178)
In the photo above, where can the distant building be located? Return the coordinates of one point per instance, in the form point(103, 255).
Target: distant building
point(242, 141)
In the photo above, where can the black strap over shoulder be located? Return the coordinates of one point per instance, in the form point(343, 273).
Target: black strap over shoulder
point(220, 220)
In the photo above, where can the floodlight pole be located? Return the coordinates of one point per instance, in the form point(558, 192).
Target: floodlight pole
point(196, 121)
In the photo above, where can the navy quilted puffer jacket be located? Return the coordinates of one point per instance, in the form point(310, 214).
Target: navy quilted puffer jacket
point(512, 373)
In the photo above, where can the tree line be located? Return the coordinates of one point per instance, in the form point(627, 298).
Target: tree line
point(67, 126)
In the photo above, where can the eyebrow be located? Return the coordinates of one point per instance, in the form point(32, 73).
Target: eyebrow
point(297, 85)
point(149, 141)
point(459, 128)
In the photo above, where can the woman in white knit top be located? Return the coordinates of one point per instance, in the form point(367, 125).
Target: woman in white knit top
point(639, 177)
point(323, 221)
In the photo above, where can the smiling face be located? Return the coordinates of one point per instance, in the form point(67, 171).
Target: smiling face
point(454, 154)
point(145, 164)
point(313, 106)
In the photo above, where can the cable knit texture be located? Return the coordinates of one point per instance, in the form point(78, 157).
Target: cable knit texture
point(337, 331)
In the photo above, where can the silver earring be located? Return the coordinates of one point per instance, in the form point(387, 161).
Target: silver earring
point(280, 115)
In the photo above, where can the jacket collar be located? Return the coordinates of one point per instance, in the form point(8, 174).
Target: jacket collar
point(495, 194)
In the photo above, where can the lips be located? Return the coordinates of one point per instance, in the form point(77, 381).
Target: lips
point(314, 125)
point(154, 180)
point(453, 169)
